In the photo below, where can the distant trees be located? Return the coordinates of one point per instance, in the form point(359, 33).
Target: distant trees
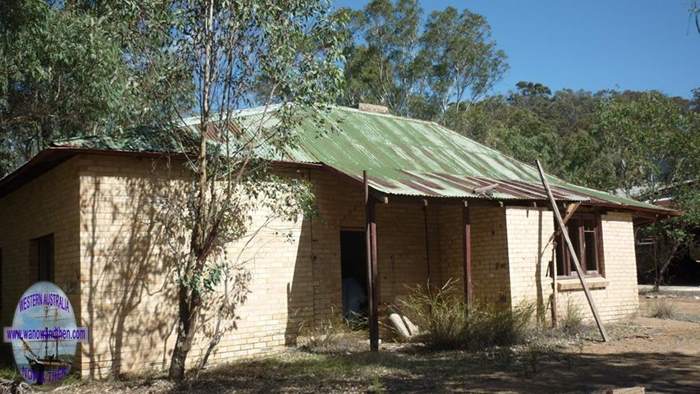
point(419, 66)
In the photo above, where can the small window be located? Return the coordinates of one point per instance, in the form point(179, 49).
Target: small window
point(585, 235)
point(43, 253)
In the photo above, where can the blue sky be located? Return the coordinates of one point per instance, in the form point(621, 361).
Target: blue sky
point(592, 44)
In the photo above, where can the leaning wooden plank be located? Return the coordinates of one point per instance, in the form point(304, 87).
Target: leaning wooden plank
point(574, 257)
point(570, 210)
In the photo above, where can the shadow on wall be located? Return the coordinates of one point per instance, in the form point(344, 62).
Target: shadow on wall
point(127, 265)
point(128, 269)
point(135, 236)
point(301, 290)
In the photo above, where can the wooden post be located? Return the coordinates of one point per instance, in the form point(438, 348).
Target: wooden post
point(572, 252)
point(427, 239)
point(372, 272)
point(467, 253)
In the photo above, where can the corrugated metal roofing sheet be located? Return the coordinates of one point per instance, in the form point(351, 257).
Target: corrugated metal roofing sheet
point(414, 158)
point(417, 158)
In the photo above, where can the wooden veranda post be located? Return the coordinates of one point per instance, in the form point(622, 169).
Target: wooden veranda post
point(372, 272)
point(427, 239)
point(467, 253)
point(555, 291)
point(574, 257)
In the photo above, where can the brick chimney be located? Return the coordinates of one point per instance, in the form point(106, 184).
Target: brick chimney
point(379, 109)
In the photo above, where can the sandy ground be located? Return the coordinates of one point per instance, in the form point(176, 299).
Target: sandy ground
point(660, 355)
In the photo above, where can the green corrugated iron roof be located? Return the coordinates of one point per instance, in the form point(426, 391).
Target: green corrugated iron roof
point(410, 157)
point(417, 158)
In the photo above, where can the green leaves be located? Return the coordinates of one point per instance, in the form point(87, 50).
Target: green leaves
point(77, 70)
point(639, 142)
point(419, 72)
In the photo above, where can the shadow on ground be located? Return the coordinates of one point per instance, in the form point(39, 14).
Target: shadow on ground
point(454, 371)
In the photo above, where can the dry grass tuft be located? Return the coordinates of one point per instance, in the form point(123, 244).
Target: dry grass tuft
point(447, 323)
point(662, 309)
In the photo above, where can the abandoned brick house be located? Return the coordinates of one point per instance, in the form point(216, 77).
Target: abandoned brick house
point(77, 214)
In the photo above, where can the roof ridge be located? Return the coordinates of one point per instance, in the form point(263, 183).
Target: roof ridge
point(351, 109)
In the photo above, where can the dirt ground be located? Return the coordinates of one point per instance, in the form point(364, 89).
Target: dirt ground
point(661, 355)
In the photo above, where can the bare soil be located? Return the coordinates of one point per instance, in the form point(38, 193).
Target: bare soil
point(660, 355)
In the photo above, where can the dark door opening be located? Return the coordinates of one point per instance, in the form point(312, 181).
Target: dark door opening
point(353, 261)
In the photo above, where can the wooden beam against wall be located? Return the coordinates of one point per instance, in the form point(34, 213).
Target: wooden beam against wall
point(574, 257)
point(467, 253)
point(372, 272)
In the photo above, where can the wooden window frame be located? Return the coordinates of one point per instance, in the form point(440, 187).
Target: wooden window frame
point(567, 263)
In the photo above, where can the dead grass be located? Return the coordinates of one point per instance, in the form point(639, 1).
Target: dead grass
point(447, 322)
point(662, 308)
point(639, 354)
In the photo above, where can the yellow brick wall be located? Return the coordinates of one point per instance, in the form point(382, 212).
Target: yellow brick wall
point(619, 299)
point(529, 257)
point(129, 304)
point(129, 297)
point(46, 205)
point(102, 211)
point(489, 254)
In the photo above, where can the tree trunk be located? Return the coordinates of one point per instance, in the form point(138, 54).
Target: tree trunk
point(187, 323)
point(661, 271)
point(190, 300)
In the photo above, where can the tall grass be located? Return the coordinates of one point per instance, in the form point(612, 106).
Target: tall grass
point(662, 309)
point(446, 322)
point(572, 321)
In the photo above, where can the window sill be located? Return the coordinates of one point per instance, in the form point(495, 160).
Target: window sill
point(573, 284)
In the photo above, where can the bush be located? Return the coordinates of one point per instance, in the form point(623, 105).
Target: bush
point(662, 309)
point(446, 323)
point(572, 321)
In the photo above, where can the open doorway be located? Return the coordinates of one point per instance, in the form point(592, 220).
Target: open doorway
point(353, 261)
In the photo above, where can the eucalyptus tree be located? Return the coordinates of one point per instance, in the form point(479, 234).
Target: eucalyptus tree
point(419, 66)
point(234, 47)
point(76, 68)
point(384, 41)
point(462, 58)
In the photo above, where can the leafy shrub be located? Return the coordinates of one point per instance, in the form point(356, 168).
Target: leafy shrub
point(446, 322)
point(572, 321)
point(662, 309)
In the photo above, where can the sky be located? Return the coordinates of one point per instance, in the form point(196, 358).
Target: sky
point(591, 44)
